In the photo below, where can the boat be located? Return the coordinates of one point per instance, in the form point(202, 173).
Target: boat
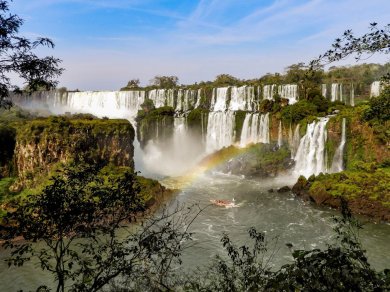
point(223, 203)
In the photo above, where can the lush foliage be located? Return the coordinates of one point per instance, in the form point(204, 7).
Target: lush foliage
point(225, 80)
point(79, 218)
point(165, 81)
point(375, 41)
point(18, 57)
point(379, 107)
point(298, 111)
point(342, 266)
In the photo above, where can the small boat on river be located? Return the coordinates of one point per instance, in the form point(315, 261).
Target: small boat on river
point(224, 203)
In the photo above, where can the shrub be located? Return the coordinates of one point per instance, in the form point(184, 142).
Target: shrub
point(298, 111)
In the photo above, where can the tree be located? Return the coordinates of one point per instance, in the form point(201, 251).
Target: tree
point(226, 80)
point(78, 216)
point(165, 81)
point(17, 56)
point(133, 83)
point(375, 41)
point(306, 79)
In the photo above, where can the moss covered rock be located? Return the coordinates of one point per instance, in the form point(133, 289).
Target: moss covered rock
point(43, 143)
point(367, 190)
point(155, 124)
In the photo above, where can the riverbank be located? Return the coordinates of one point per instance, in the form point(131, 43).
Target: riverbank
point(367, 191)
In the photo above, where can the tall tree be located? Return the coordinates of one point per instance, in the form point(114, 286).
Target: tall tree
point(165, 81)
point(17, 56)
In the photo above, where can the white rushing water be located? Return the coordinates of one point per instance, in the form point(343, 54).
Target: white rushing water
point(220, 130)
point(352, 97)
point(289, 91)
point(294, 145)
point(375, 89)
point(324, 90)
point(255, 129)
point(242, 98)
point(269, 91)
point(337, 92)
point(311, 154)
point(338, 158)
point(219, 99)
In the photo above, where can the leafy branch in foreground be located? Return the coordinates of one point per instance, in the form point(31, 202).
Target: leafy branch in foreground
point(17, 56)
point(81, 222)
point(342, 266)
point(375, 41)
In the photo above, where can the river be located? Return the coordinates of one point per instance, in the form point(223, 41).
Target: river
point(283, 217)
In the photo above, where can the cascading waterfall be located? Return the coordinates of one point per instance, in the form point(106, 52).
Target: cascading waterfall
point(294, 145)
point(268, 91)
point(179, 101)
point(118, 104)
point(159, 96)
point(311, 154)
point(242, 98)
point(190, 97)
point(352, 97)
point(338, 161)
point(337, 92)
point(220, 130)
point(219, 98)
point(289, 91)
point(375, 89)
point(198, 98)
point(324, 90)
point(255, 129)
point(280, 135)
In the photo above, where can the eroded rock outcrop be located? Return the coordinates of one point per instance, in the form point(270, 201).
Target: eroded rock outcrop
point(44, 143)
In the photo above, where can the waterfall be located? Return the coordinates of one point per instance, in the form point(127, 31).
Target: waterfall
point(289, 91)
point(311, 153)
point(198, 98)
point(218, 101)
point(179, 101)
point(338, 158)
point(280, 135)
point(242, 98)
point(268, 91)
point(189, 99)
point(324, 90)
point(255, 129)
point(220, 128)
point(375, 89)
point(158, 97)
point(295, 141)
point(114, 104)
point(336, 92)
point(352, 98)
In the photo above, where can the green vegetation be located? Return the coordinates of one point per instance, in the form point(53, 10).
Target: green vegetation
point(18, 56)
point(366, 188)
point(239, 122)
point(197, 121)
point(165, 81)
point(258, 160)
point(379, 107)
point(77, 218)
point(342, 266)
point(156, 124)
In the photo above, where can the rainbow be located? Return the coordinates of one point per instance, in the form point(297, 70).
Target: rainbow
point(209, 162)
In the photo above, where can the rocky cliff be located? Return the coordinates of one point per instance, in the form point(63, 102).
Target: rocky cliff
point(44, 143)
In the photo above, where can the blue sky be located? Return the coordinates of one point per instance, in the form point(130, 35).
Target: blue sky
point(105, 43)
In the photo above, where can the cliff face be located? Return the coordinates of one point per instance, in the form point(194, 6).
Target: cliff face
point(155, 124)
point(42, 144)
